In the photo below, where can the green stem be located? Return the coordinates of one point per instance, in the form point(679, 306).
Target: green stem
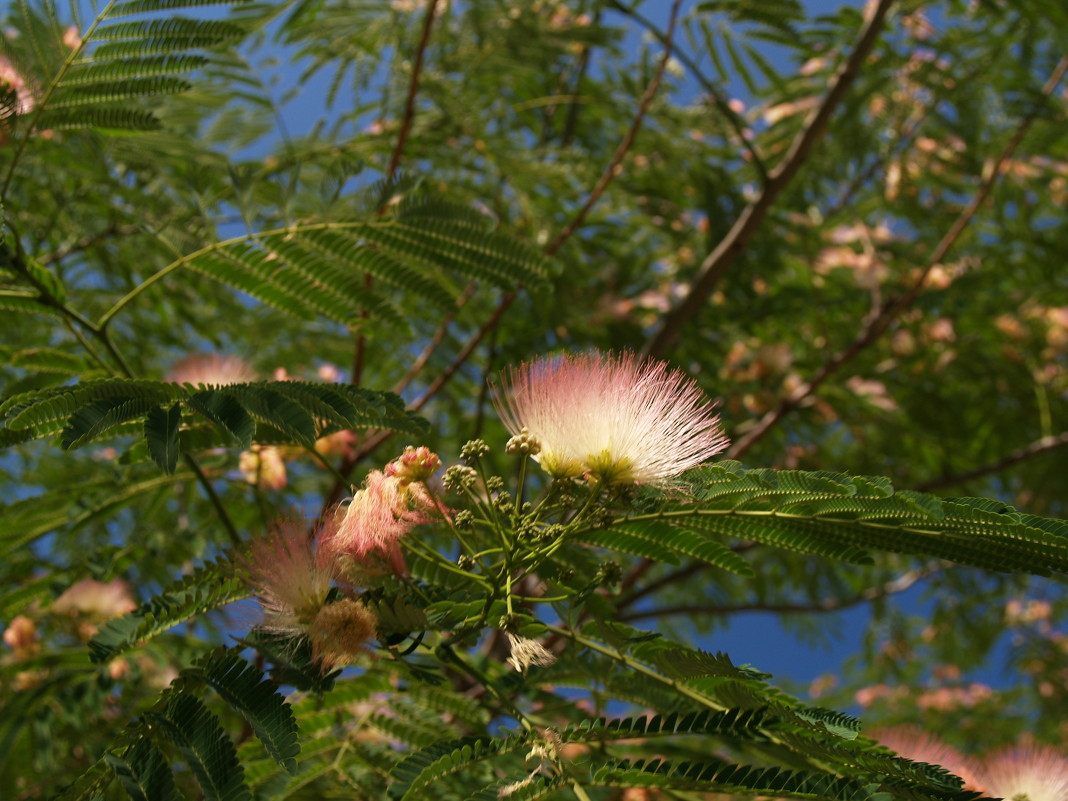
point(216, 501)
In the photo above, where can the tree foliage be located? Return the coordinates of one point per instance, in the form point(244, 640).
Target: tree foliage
point(251, 250)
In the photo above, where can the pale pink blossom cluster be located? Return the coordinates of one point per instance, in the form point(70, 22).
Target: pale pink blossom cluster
point(295, 573)
point(613, 418)
point(1024, 772)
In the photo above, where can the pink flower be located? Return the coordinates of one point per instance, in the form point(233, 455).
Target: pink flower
point(21, 636)
point(415, 464)
point(1036, 773)
point(100, 601)
point(613, 417)
point(211, 369)
point(291, 577)
point(264, 467)
point(918, 745)
point(376, 518)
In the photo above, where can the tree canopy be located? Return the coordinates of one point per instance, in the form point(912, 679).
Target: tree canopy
point(252, 250)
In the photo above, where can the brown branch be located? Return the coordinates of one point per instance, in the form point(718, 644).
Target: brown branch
point(350, 460)
point(878, 323)
point(733, 244)
point(616, 164)
point(900, 584)
point(1039, 446)
point(413, 89)
point(505, 303)
point(88, 241)
point(718, 99)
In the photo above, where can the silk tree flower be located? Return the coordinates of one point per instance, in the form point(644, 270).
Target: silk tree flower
point(527, 652)
point(91, 603)
point(1035, 773)
point(375, 520)
point(914, 743)
point(291, 576)
point(614, 418)
point(211, 369)
point(294, 578)
point(263, 466)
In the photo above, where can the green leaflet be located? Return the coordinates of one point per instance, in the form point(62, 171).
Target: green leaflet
point(243, 687)
point(845, 517)
point(206, 588)
point(319, 269)
point(161, 433)
point(204, 746)
point(415, 773)
point(297, 411)
point(144, 773)
point(715, 775)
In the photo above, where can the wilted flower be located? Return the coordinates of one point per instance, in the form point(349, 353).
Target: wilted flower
point(263, 466)
point(613, 417)
point(527, 652)
point(211, 369)
point(291, 576)
point(1036, 773)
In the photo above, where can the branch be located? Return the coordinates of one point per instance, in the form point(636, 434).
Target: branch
point(413, 89)
point(714, 92)
point(900, 584)
point(391, 171)
point(88, 241)
point(1039, 446)
point(609, 174)
point(733, 244)
point(615, 165)
point(892, 309)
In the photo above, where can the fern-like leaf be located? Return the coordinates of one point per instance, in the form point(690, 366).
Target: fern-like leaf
point(204, 746)
point(206, 588)
point(144, 773)
point(243, 687)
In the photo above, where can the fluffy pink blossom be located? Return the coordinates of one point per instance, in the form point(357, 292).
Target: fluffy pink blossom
point(291, 576)
point(914, 743)
point(211, 369)
point(98, 600)
point(373, 523)
point(613, 417)
point(376, 518)
point(1036, 773)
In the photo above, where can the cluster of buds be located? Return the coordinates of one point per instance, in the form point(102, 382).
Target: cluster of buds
point(523, 443)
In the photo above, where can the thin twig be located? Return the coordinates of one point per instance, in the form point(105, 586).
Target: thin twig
point(413, 89)
point(1036, 448)
point(878, 323)
point(733, 244)
point(616, 164)
point(88, 241)
point(391, 171)
point(714, 92)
